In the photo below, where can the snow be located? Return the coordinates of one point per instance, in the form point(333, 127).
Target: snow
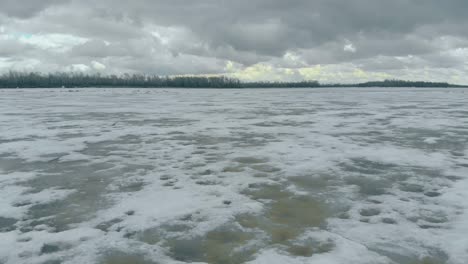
point(93, 171)
point(346, 251)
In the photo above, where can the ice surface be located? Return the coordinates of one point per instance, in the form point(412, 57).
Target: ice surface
point(234, 176)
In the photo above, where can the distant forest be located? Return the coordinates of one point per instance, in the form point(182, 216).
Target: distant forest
point(76, 80)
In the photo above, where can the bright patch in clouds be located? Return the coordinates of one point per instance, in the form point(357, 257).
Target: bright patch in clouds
point(98, 66)
point(77, 68)
point(323, 73)
point(349, 47)
point(54, 42)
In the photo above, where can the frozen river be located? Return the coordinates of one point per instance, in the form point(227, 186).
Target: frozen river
point(234, 176)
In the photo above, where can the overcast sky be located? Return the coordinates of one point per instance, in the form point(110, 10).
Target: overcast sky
point(325, 40)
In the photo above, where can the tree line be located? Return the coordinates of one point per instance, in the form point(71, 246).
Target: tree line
point(72, 80)
point(401, 83)
point(69, 80)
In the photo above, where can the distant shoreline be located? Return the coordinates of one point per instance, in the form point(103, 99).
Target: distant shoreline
point(13, 80)
point(234, 88)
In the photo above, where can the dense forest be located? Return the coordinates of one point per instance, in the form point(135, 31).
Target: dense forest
point(36, 80)
point(72, 80)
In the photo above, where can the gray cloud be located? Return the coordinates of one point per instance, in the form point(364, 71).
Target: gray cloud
point(26, 8)
point(184, 37)
point(10, 48)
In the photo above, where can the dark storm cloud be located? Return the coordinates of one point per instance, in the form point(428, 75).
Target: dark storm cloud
point(26, 8)
point(271, 27)
point(183, 36)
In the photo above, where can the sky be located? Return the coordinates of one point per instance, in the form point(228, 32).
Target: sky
point(253, 40)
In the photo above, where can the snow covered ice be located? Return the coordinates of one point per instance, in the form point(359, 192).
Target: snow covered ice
point(234, 176)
